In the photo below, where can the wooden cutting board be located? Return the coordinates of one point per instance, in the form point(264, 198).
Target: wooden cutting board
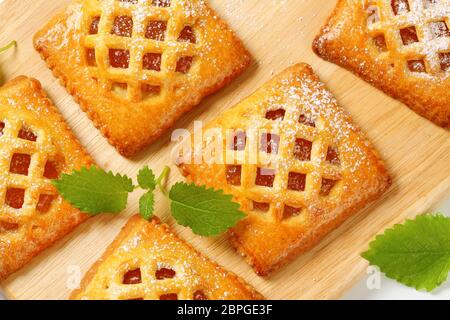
point(278, 33)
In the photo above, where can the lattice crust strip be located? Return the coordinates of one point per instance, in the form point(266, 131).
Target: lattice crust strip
point(139, 50)
point(297, 161)
point(137, 66)
point(28, 161)
point(148, 262)
point(36, 146)
point(417, 31)
point(402, 47)
point(294, 161)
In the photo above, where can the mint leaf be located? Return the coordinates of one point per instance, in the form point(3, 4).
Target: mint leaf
point(206, 211)
point(146, 179)
point(95, 191)
point(146, 205)
point(416, 254)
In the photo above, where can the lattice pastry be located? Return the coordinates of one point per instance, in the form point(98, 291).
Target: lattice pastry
point(136, 66)
point(294, 161)
point(36, 146)
point(148, 262)
point(400, 46)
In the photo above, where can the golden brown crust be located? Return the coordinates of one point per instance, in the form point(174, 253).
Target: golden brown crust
point(271, 239)
point(25, 232)
point(347, 39)
point(153, 244)
point(130, 123)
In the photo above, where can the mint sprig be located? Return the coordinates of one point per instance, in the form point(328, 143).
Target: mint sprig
point(416, 253)
point(8, 46)
point(206, 211)
point(146, 179)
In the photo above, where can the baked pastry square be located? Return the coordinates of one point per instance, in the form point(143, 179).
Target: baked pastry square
point(36, 145)
point(295, 163)
point(136, 66)
point(400, 46)
point(148, 262)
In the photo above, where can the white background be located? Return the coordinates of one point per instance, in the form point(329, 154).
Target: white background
point(390, 289)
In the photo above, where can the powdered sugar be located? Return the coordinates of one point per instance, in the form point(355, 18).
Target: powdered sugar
point(148, 249)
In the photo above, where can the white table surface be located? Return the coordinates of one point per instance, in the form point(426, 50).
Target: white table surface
point(391, 290)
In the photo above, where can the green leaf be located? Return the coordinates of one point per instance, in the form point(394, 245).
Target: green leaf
point(95, 191)
point(146, 179)
point(206, 211)
point(416, 253)
point(146, 205)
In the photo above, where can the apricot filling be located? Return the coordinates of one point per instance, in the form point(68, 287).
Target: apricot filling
point(327, 186)
point(290, 212)
point(20, 163)
point(239, 141)
point(184, 64)
point(119, 58)
point(259, 206)
point(416, 66)
point(152, 61)
point(15, 197)
point(270, 143)
point(156, 30)
point(333, 155)
point(51, 170)
point(439, 29)
point(265, 177)
point(132, 277)
point(302, 150)
point(150, 90)
point(90, 57)
point(187, 35)
point(169, 296)
point(161, 3)
point(276, 114)
point(445, 61)
point(233, 175)
point(8, 226)
point(123, 26)
point(297, 181)
point(409, 35)
point(27, 134)
point(93, 28)
point(400, 6)
point(380, 43)
point(45, 202)
point(307, 121)
point(200, 295)
point(165, 273)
